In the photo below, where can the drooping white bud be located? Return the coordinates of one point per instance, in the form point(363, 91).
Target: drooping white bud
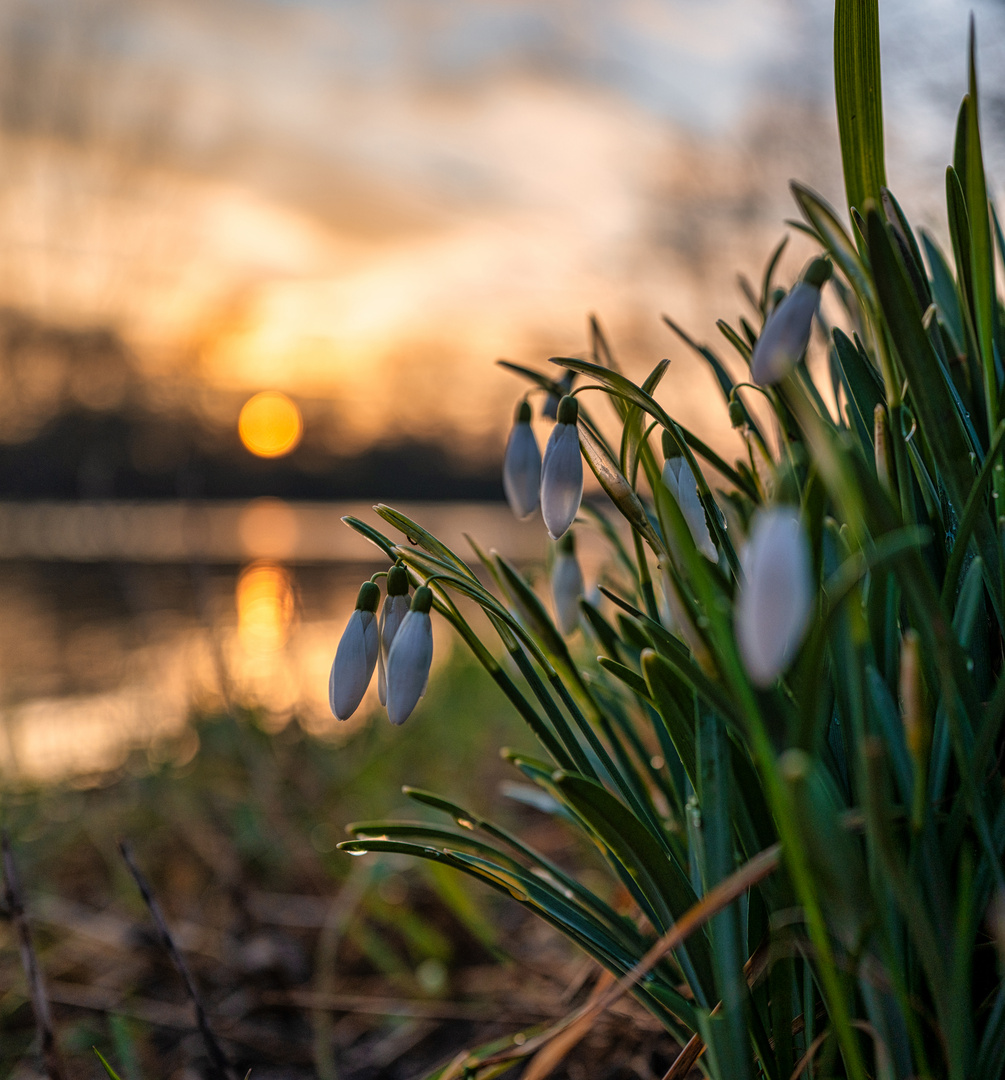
point(775, 600)
point(522, 466)
point(356, 656)
point(787, 329)
point(679, 479)
point(410, 657)
point(566, 585)
point(562, 472)
point(677, 619)
point(391, 615)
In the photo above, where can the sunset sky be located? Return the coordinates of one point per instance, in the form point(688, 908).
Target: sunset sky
point(368, 203)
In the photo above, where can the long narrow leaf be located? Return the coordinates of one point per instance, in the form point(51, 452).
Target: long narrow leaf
point(858, 90)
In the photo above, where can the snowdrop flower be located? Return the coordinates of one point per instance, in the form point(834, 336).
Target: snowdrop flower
point(775, 601)
point(786, 331)
point(522, 465)
point(566, 585)
point(410, 657)
point(678, 477)
point(562, 472)
point(391, 615)
point(356, 655)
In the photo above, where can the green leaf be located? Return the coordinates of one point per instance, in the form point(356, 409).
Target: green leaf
point(931, 401)
point(909, 246)
point(620, 926)
point(974, 510)
point(530, 715)
point(673, 652)
point(626, 390)
point(823, 217)
point(536, 377)
point(715, 796)
point(658, 876)
point(602, 352)
point(982, 253)
point(991, 1051)
point(892, 728)
point(865, 387)
point(532, 611)
point(602, 630)
point(741, 346)
point(722, 376)
point(539, 894)
point(376, 538)
point(108, 1069)
point(423, 830)
point(959, 234)
point(858, 89)
point(946, 298)
point(630, 678)
point(416, 534)
point(769, 272)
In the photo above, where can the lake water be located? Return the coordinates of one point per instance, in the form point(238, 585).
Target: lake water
point(120, 618)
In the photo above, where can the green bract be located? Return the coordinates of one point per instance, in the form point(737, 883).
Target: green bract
point(802, 797)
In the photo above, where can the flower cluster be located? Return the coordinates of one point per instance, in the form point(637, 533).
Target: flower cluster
point(557, 481)
point(399, 644)
point(773, 606)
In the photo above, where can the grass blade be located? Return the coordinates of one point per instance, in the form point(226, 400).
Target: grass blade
point(858, 88)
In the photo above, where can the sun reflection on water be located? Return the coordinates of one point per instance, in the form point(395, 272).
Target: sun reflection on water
point(108, 650)
point(266, 608)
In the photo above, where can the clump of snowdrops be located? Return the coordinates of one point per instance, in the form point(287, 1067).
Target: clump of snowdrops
point(788, 750)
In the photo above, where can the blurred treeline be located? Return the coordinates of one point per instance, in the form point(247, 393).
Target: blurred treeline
point(78, 420)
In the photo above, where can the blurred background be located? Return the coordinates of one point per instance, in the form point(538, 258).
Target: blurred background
point(257, 258)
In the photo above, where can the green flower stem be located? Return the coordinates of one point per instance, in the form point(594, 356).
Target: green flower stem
point(626, 778)
point(581, 762)
point(903, 469)
point(645, 579)
point(784, 812)
point(446, 608)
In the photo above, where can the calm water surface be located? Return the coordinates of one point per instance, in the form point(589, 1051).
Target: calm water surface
point(140, 613)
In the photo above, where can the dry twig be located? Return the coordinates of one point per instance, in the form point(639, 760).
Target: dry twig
point(29, 961)
point(218, 1059)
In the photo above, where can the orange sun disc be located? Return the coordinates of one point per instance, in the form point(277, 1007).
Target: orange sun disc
point(270, 424)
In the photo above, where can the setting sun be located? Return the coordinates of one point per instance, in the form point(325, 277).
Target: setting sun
point(270, 424)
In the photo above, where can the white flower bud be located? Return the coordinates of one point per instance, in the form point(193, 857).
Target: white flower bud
point(522, 466)
point(410, 657)
point(679, 479)
point(787, 329)
point(356, 655)
point(562, 472)
point(775, 601)
point(677, 619)
point(566, 585)
point(395, 609)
